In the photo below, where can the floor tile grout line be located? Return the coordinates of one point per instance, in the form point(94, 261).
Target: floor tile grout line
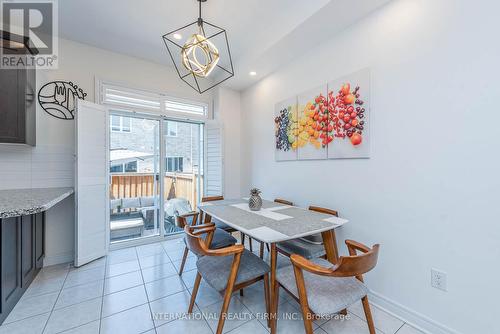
point(357, 316)
point(53, 308)
point(103, 289)
point(404, 323)
point(147, 296)
point(52, 311)
point(79, 285)
point(75, 327)
point(251, 313)
point(124, 310)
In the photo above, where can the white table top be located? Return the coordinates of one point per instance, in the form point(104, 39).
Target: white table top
point(275, 222)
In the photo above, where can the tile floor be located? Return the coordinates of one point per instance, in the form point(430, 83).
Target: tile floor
point(137, 290)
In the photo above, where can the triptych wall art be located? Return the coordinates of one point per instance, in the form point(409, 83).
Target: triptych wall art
point(328, 122)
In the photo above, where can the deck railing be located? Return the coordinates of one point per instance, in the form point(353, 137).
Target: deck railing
point(126, 185)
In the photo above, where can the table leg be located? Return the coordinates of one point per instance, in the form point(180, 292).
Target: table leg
point(330, 243)
point(208, 219)
point(273, 315)
point(332, 252)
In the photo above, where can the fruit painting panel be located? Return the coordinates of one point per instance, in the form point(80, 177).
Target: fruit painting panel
point(312, 129)
point(349, 116)
point(286, 130)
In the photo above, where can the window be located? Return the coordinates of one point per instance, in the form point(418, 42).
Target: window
point(116, 169)
point(171, 129)
point(129, 167)
point(157, 103)
point(175, 164)
point(120, 124)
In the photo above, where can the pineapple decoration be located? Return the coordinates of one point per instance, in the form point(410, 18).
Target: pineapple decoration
point(255, 201)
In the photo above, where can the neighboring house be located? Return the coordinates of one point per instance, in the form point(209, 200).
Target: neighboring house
point(182, 142)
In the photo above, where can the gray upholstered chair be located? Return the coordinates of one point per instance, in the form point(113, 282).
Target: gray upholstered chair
point(324, 289)
point(219, 240)
point(309, 247)
point(226, 270)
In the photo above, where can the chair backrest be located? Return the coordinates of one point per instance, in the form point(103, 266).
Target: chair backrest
point(347, 266)
point(195, 241)
point(212, 198)
point(184, 220)
point(209, 199)
point(357, 265)
point(199, 246)
point(324, 210)
point(283, 201)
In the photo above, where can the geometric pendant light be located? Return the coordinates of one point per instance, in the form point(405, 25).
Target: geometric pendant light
point(200, 53)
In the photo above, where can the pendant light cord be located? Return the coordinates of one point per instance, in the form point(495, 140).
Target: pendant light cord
point(199, 16)
point(200, 21)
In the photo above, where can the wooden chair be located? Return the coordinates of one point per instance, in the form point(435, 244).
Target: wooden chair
point(220, 238)
point(283, 201)
point(217, 223)
point(222, 225)
point(276, 200)
point(323, 289)
point(226, 270)
point(311, 246)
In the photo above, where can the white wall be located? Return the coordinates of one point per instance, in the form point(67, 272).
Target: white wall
point(228, 111)
point(51, 162)
point(429, 192)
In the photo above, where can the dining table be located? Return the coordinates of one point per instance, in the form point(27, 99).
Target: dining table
point(275, 223)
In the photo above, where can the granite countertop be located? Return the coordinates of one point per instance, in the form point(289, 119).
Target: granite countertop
point(21, 202)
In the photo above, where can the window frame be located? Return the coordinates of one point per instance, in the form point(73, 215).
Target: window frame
point(155, 102)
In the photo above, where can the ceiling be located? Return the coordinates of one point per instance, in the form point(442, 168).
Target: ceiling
point(258, 30)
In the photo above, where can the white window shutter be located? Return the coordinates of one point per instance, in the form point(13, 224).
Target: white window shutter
point(214, 159)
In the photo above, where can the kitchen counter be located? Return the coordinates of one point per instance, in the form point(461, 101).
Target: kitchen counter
point(21, 202)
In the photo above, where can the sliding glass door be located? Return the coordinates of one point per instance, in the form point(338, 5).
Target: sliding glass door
point(183, 178)
point(134, 167)
point(141, 149)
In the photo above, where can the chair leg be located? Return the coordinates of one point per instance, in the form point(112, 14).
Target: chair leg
point(251, 246)
point(242, 235)
point(274, 308)
point(194, 293)
point(266, 296)
point(304, 305)
point(261, 253)
point(241, 292)
point(228, 293)
point(368, 314)
point(267, 246)
point(184, 258)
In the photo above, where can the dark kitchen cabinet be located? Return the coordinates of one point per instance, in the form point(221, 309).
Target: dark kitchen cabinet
point(39, 239)
point(27, 249)
point(22, 251)
point(18, 106)
point(11, 284)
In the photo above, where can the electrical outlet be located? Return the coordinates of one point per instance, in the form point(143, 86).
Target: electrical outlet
point(438, 279)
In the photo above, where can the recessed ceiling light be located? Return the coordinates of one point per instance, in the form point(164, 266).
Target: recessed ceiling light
point(253, 73)
point(177, 36)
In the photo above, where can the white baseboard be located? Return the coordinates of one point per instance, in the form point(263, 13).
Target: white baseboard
point(58, 259)
point(413, 318)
